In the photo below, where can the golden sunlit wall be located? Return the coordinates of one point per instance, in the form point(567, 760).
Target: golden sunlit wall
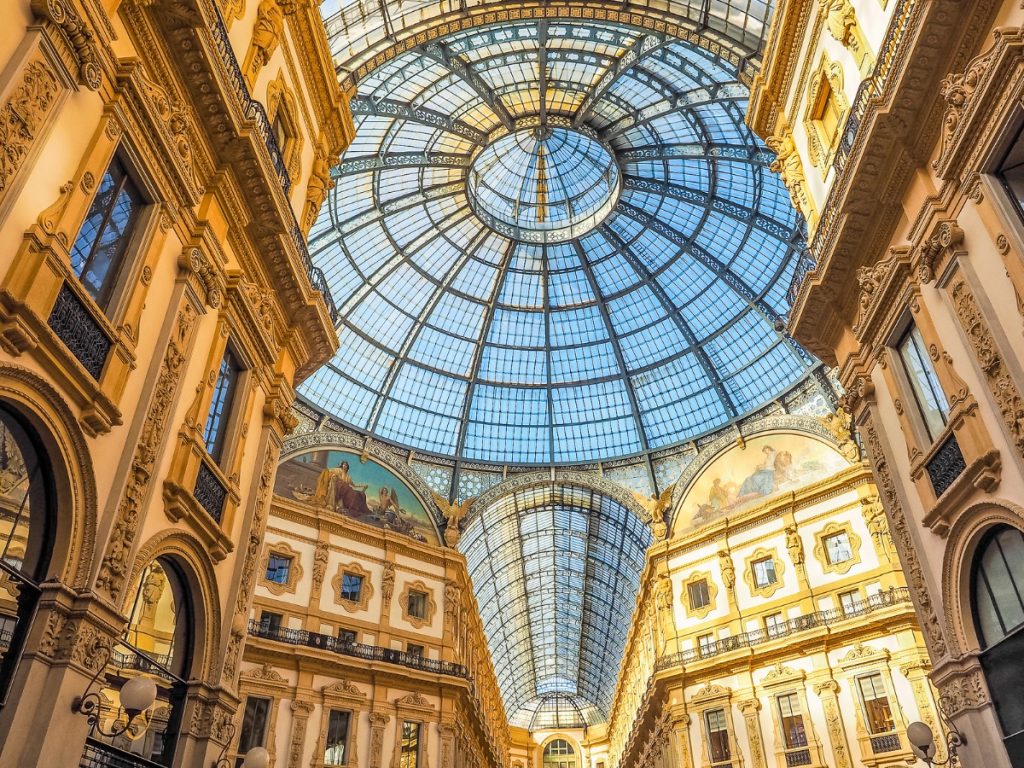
point(913, 287)
point(161, 162)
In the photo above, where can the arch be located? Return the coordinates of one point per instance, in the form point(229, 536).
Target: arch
point(636, 15)
point(199, 579)
point(63, 440)
point(550, 741)
point(594, 482)
point(714, 450)
point(345, 441)
point(962, 545)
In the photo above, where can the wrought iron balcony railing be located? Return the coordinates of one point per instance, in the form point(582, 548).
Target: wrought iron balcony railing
point(945, 465)
point(255, 111)
point(355, 650)
point(875, 602)
point(100, 755)
point(886, 742)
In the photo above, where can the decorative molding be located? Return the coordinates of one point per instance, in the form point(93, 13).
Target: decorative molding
point(694, 578)
point(23, 116)
point(365, 590)
point(762, 553)
point(431, 605)
point(294, 568)
point(821, 554)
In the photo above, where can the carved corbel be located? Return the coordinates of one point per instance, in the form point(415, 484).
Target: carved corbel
point(63, 16)
point(195, 265)
point(943, 241)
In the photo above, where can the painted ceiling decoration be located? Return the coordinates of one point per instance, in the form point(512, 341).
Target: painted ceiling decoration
point(554, 242)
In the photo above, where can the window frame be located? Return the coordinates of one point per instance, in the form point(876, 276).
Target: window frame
point(416, 748)
point(705, 717)
point(262, 740)
point(220, 452)
point(912, 385)
point(288, 562)
point(346, 741)
point(859, 680)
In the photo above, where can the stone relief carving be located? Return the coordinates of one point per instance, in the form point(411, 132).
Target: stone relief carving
point(22, 117)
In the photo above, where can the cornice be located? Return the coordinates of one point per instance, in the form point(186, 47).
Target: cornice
point(770, 88)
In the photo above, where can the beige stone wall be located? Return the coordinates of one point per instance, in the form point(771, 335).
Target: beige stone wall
point(83, 82)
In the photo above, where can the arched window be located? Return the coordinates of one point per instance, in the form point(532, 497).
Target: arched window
point(157, 643)
point(998, 602)
point(559, 754)
point(26, 527)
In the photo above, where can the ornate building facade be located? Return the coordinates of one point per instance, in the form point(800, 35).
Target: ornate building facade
point(157, 308)
point(913, 290)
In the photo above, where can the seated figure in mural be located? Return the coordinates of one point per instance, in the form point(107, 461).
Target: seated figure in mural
point(336, 490)
point(762, 481)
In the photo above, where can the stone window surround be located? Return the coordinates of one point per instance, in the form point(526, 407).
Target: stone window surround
point(282, 549)
point(694, 578)
point(763, 553)
point(820, 553)
point(403, 600)
point(365, 593)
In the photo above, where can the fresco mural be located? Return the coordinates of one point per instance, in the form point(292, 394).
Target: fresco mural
point(741, 478)
point(366, 491)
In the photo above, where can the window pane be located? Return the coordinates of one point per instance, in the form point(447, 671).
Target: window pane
point(699, 596)
point(999, 584)
point(410, 752)
point(764, 572)
point(103, 239)
point(220, 405)
point(351, 587)
point(278, 569)
point(837, 548)
point(792, 721)
point(337, 737)
point(876, 704)
point(718, 735)
point(254, 724)
point(931, 402)
point(1011, 172)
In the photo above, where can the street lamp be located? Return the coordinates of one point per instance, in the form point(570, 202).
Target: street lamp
point(922, 743)
point(136, 695)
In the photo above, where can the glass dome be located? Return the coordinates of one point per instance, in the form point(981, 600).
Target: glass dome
point(627, 303)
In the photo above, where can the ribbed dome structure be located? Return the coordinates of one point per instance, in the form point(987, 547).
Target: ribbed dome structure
point(553, 243)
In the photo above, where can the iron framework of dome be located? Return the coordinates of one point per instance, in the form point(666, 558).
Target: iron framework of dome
point(653, 323)
point(556, 569)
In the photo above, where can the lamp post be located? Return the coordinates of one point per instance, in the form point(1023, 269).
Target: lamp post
point(922, 743)
point(136, 695)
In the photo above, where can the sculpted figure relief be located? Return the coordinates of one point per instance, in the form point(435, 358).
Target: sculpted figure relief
point(788, 165)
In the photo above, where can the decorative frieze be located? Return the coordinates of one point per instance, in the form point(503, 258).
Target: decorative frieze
point(23, 116)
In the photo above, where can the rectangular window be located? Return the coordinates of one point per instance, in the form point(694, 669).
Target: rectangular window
point(347, 636)
point(850, 602)
point(877, 712)
point(270, 621)
point(718, 735)
point(278, 568)
point(337, 737)
point(254, 724)
point(414, 649)
point(931, 402)
point(837, 548)
point(220, 405)
point(774, 625)
point(792, 721)
point(417, 607)
point(99, 250)
point(351, 587)
point(410, 751)
point(706, 644)
point(764, 572)
point(699, 595)
point(1011, 173)
point(827, 112)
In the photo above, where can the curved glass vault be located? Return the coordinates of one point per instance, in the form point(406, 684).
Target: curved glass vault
point(624, 303)
point(556, 570)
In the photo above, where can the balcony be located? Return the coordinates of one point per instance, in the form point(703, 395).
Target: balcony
point(800, 624)
point(100, 755)
point(333, 644)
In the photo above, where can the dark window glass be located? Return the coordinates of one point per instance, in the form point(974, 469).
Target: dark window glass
point(774, 624)
point(699, 595)
point(417, 607)
point(254, 724)
point(351, 587)
point(850, 602)
point(718, 735)
point(220, 406)
point(1011, 173)
point(706, 644)
point(347, 636)
point(931, 402)
point(876, 704)
point(337, 737)
point(414, 649)
point(270, 621)
point(410, 751)
point(792, 721)
point(99, 249)
point(764, 572)
point(999, 586)
point(279, 568)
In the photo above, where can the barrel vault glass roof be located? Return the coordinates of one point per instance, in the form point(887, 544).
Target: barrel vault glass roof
point(556, 569)
point(489, 344)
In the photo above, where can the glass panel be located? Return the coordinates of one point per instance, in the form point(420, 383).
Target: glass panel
point(100, 247)
point(337, 737)
point(792, 721)
point(999, 585)
point(699, 595)
point(849, 601)
point(718, 735)
point(1011, 173)
point(220, 405)
point(270, 621)
point(931, 402)
point(351, 587)
point(837, 548)
point(764, 572)
point(154, 617)
point(878, 715)
point(417, 605)
point(254, 724)
point(278, 568)
point(410, 752)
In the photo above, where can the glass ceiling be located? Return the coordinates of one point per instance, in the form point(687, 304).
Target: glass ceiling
point(556, 570)
point(642, 327)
